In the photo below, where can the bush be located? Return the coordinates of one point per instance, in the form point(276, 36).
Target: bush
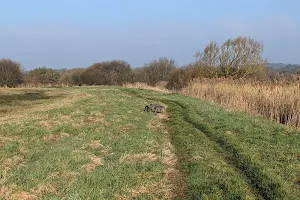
point(158, 70)
point(178, 79)
point(73, 76)
point(114, 72)
point(140, 74)
point(182, 76)
point(43, 75)
point(10, 73)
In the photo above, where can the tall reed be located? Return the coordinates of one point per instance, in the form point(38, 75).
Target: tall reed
point(277, 101)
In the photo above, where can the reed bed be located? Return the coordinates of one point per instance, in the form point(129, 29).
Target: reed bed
point(276, 101)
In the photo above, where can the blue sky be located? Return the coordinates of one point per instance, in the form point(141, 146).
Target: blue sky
point(78, 33)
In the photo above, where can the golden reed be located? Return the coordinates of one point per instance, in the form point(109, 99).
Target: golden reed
point(279, 102)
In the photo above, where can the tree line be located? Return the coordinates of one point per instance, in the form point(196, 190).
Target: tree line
point(238, 58)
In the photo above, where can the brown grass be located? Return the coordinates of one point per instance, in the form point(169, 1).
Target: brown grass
point(95, 144)
point(4, 140)
point(95, 162)
point(7, 193)
point(142, 157)
point(44, 189)
point(10, 163)
point(152, 189)
point(24, 196)
point(138, 85)
point(279, 102)
point(55, 137)
point(85, 152)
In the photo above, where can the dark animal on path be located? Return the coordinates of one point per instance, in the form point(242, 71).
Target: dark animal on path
point(154, 108)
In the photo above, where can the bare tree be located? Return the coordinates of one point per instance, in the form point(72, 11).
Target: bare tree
point(159, 70)
point(178, 79)
point(72, 76)
point(140, 74)
point(115, 72)
point(236, 58)
point(210, 56)
point(10, 73)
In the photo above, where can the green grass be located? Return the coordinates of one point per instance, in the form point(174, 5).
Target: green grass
point(97, 143)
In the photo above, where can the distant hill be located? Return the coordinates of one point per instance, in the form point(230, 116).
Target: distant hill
point(281, 67)
point(291, 68)
point(276, 66)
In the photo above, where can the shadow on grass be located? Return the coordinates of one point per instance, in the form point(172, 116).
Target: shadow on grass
point(8, 100)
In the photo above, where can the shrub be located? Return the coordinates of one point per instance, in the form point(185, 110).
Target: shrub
point(73, 76)
point(10, 73)
point(159, 70)
point(43, 75)
point(114, 72)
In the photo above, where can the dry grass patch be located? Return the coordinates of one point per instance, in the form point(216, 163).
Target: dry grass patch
point(125, 128)
point(10, 163)
point(173, 179)
point(197, 158)
point(44, 189)
point(95, 119)
point(142, 157)
point(138, 85)
point(64, 174)
point(84, 153)
point(79, 119)
point(4, 140)
point(146, 175)
point(23, 150)
point(95, 144)
point(80, 155)
point(229, 132)
point(24, 196)
point(53, 187)
point(157, 123)
point(156, 190)
point(48, 124)
point(162, 116)
point(5, 192)
point(106, 152)
point(8, 193)
point(56, 137)
point(90, 167)
point(96, 161)
point(122, 100)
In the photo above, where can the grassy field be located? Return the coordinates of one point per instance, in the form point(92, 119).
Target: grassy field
point(97, 143)
point(80, 143)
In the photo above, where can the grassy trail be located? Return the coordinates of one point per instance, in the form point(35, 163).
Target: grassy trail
point(257, 159)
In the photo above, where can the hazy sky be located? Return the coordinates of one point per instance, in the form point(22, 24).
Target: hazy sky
point(78, 33)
